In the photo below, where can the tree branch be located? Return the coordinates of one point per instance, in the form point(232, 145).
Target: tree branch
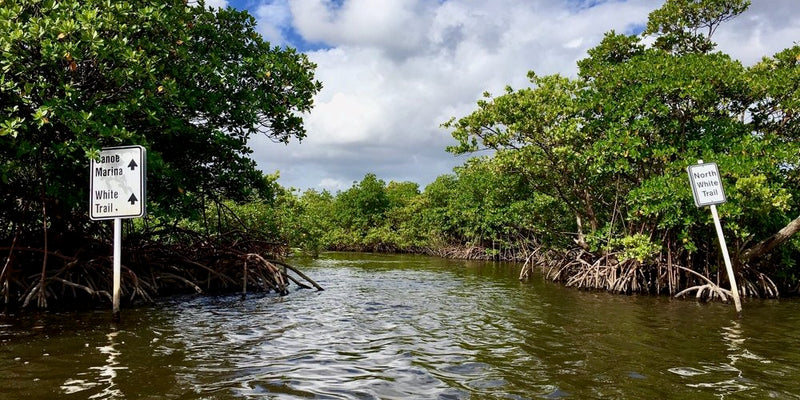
point(768, 244)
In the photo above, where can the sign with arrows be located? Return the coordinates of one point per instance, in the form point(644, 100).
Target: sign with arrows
point(117, 183)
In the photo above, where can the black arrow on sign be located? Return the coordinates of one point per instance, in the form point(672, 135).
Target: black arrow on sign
point(132, 165)
point(133, 199)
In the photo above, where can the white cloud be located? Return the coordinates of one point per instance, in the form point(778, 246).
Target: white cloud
point(212, 3)
point(389, 25)
point(765, 29)
point(274, 17)
point(394, 70)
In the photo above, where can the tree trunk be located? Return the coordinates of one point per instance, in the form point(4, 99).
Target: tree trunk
point(581, 239)
point(768, 244)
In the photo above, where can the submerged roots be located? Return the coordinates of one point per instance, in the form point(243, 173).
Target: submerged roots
point(194, 265)
point(604, 273)
point(583, 270)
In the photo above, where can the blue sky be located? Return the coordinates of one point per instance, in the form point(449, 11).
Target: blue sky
point(394, 70)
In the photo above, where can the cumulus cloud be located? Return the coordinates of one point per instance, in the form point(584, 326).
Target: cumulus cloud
point(765, 29)
point(274, 18)
point(395, 26)
point(394, 70)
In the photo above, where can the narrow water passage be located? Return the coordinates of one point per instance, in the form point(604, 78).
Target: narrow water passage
point(402, 327)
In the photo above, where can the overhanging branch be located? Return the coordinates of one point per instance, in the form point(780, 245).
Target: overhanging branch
point(770, 243)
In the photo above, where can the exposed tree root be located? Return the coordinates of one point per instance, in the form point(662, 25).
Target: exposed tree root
point(299, 273)
point(714, 292)
point(582, 269)
point(527, 268)
point(191, 264)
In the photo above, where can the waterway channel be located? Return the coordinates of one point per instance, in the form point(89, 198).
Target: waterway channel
point(409, 327)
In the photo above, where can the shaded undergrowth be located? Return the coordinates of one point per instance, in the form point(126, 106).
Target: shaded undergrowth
point(151, 267)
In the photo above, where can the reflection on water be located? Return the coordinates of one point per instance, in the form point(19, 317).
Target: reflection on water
point(725, 378)
point(106, 374)
point(399, 327)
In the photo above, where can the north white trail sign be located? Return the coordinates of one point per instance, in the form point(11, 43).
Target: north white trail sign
point(706, 184)
point(707, 190)
point(117, 183)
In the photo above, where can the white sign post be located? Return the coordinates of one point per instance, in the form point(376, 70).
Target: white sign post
point(707, 191)
point(116, 191)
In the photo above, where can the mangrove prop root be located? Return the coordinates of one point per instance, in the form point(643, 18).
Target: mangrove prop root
point(188, 263)
point(527, 267)
point(585, 270)
point(296, 271)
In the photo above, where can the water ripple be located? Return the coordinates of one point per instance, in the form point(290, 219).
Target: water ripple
point(411, 327)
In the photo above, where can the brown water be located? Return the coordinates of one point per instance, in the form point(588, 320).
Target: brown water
point(409, 327)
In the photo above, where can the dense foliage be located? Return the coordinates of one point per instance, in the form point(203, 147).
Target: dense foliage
point(591, 171)
point(587, 176)
point(476, 212)
point(613, 145)
point(190, 84)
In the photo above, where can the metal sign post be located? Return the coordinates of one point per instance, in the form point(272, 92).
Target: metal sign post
point(707, 191)
point(117, 268)
point(116, 191)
